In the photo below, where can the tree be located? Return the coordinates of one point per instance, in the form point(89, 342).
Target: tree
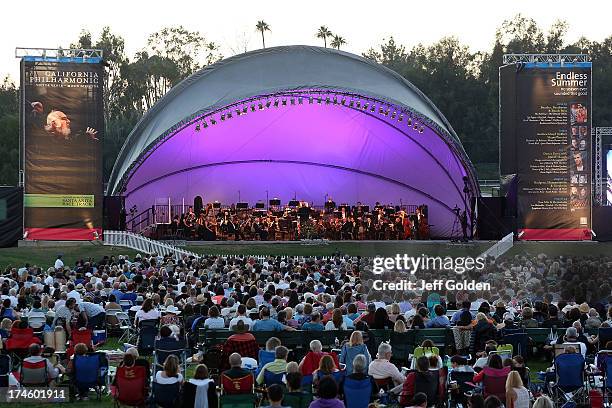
point(262, 27)
point(337, 42)
point(324, 33)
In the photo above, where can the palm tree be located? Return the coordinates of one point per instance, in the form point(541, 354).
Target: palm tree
point(324, 33)
point(262, 27)
point(337, 42)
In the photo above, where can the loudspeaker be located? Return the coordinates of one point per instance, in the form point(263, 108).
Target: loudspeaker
point(114, 213)
point(491, 224)
point(242, 206)
point(260, 205)
point(197, 205)
point(274, 202)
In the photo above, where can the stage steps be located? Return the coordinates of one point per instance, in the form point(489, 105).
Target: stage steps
point(143, 244)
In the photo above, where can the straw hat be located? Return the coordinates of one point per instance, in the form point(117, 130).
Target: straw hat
point(173, 309)
point(584, 308)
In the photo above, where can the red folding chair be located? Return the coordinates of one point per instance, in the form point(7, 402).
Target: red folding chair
point(494, 382)
point(18, 344)
point(241, 385)
point(80, 336)
point(34, 374)
point(131, 386)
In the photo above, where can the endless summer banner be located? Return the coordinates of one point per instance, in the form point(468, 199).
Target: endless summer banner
point(63, 124)
point(553, 144)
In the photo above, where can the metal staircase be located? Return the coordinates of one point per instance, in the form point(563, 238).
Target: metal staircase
point(144, 244)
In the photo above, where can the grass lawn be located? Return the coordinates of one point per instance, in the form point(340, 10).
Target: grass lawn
point(45, 256)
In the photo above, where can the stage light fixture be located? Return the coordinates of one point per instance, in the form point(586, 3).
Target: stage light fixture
point(373, 109)
point(260, 106)
point(343, 102)
point(387, 112)
point(365, 106)
point(268, 103)
point(421, 129)
point(327, 100)
point(238, 112)
point(229, 115)
point(319, 100)
point(284, 102)
point(245, 109)
point(300, 101)
point(401, 117)
point(204, 125)
point(252, 108)
point(358, 105)
point(409, 122)
point(276, 103)
point(212, 122)
point(197, 128)
point(335, 100)
point(310, 100)
point(292, 101)
point(393, 115)
point(222, 117)
point(380, 110)
point(416, 126)
point(351, 104)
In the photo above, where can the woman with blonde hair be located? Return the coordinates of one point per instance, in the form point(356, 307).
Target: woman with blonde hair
point(517, 395)
point(394, 311)
point(543, 402)
point(399, 327)
point(170, 373)
point(350, 350)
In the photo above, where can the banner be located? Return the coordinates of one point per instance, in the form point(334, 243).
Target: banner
point(546, 141)
point(63, 124)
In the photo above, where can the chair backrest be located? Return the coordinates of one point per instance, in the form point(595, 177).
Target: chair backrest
point(123, 318)
point(428, 383)
point(5, 369)
point(297, 399)
point(462, 377)
point(131, 383)
point(271, 378)
point(432, 301)
point(569, 369)
point(34, 374)
point(82, 336)
point(604, 334)
point(240, 385)
point(166, 395)
point(494, 382)
point(357, 393)
point(426, 351)
point(37, 320)
point(237, 401)
point(264, 358)
point(87, 369)
point(518, 341)
point(163, 349)
point(20, 338)
point(146, 339)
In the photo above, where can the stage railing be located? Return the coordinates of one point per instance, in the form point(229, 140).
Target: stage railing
point(144, 244)
point(500, 247)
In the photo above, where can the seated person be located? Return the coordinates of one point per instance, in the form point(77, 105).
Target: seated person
point(419, 400)
point(236, 380)
point(311, 360)
point(360, 373)
point(382, 368)
point(440, 320)
point(170, 374)
point(166, 340)
point(483, 357)
point(275, 397)
point(265, 323)
point(495, 362)
point(314, 324)
point(53, 371)
point(278, 366)
point(206, 393)
point(241, 341)
point(327, 368)
point(422, 380)
point(328, 395)
point(460, 364)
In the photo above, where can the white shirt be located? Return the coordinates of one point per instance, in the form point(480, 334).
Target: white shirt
point(74, 294)
point(215, 323)
point(150, 315)
point(330, 326)
point(247, 321)
point(381, 368)
point(59, 264)
point(167, 380)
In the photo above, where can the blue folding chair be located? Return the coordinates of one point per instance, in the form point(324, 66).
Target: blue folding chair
point(570, 376)
point(271, 378)
point(307, 382)
point(433, 300)
point(163, 349)
point(264, 357)
point(519, 342)
point(357, 393)
point(147, 332)
point(166, 395)
point(607, 377)
point(90, 371)
point(604, 334)
point(5, 369)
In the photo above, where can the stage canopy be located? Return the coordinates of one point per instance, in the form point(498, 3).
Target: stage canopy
point(296, 122)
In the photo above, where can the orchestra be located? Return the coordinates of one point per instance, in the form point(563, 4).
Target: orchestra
point(299, 220)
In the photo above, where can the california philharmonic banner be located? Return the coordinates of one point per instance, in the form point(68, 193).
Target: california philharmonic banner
point(62, 129)
point(552, 146)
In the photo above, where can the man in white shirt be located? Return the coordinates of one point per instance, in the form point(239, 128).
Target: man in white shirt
point(59, 264)
point(35, 357)
point(241, 316)
point(383, 368)
point(72, 293)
